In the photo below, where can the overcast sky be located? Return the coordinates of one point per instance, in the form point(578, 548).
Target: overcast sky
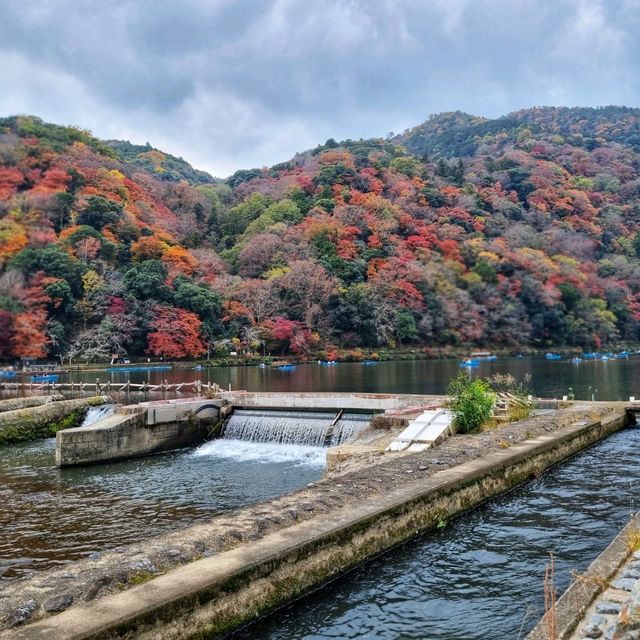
point(231, 84)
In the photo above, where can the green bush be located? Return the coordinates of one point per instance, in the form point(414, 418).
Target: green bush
point(471, 402)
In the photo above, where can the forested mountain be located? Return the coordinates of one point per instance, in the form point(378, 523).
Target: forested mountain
point(159, 164)
point(463, 230)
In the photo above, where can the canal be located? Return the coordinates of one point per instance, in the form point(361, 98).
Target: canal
point(481, 576)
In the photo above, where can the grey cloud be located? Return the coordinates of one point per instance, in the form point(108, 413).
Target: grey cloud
point(230, 84)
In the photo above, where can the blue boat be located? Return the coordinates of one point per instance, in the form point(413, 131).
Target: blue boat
point(7, 374)
point(287, 367)
point(368, 363)
point(158, 367)
point(590, 356)
point(470, 362)
point(50, 377)
point(553, 356)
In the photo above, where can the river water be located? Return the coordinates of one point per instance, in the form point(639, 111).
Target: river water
point(481, 577)
point(613, 379)
point(51, 516)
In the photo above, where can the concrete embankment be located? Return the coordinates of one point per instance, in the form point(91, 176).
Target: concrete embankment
point(11, 404)
point(239, 565)
point(45, 420)
point(138, 430)
point(308, 400)
point(604, 601)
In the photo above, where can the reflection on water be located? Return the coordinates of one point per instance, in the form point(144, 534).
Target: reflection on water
point(607, 380)
point(50, 516)
point(482, 575)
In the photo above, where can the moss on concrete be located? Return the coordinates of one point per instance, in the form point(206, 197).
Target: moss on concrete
point(45, 420)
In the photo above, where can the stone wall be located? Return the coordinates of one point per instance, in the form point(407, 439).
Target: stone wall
point(210, 596)
point(45, 420)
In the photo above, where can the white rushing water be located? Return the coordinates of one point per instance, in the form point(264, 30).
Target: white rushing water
point(264, 452)
point(97, 413)
point(289, 427)
point(282, 436)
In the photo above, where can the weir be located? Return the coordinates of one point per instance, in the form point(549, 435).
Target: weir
point(308, 428)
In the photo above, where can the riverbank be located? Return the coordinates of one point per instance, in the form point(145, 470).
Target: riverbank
point(347, 355)
point(342, 521)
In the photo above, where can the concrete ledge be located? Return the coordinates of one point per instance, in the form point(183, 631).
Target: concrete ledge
point(45, 420)
point(371, 401)
point(211, 596)
point(125, 436)
point(574, 602)
point(11, 404)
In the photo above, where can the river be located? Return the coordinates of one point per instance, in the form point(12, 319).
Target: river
point(52, 516)
point(613, 379)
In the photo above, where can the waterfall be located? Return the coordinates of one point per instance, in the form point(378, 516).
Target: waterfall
point(289, 427)
point(97, 413)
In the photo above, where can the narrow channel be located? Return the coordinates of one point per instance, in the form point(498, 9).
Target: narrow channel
point(481, 576)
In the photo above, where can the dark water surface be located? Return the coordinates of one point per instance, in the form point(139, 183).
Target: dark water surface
point(50, 516)
point(614, 379)
point(480, 577)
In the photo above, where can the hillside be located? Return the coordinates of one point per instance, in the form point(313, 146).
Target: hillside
point(159, 164)
point(515, 231)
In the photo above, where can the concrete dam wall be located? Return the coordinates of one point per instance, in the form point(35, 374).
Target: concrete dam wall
point(137, 431)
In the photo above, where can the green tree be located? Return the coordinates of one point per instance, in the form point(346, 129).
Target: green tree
point(148, 280)
point(99, 212)
point(206, 304)
point(53, 261)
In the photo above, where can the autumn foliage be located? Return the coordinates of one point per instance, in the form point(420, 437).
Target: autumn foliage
point(175, 333)
point(519, 230)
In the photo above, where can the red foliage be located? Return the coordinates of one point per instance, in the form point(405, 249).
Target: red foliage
point(29, 338)
point(176, 333)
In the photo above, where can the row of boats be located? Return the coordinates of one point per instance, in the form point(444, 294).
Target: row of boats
point(622, 355)
point(322, 363)
point(476, 359)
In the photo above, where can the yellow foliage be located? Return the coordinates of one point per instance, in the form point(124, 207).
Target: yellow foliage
point(276, 272)
point(13, 238)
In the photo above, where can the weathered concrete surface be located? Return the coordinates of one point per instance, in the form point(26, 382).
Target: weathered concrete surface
point(137, 431)
point(615, 612)
point(258, 557)
point(573, 605)
point(11, 404)
point(372, 401)
point(46, 419)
